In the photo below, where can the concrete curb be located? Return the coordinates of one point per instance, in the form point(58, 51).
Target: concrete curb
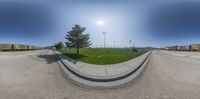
point(113, 82)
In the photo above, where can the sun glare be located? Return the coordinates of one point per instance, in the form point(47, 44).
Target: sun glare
point(100, 22)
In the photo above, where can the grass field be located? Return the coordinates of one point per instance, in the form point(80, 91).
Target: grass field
point(102, 55)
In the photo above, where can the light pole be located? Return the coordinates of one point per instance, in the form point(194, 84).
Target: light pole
point(104, 33)
point(114, 43)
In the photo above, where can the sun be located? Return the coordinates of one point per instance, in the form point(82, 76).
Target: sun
point(100, 22)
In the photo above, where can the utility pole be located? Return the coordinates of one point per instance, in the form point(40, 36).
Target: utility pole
point(114, 43)
point(104, 33)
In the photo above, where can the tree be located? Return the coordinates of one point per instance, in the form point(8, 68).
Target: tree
point(76, 39)
point(59, 45)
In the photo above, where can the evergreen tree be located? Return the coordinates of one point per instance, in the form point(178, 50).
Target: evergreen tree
point(76, 39)
point(59, 45)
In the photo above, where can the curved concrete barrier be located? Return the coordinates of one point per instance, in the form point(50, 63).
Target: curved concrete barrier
point(103, 75)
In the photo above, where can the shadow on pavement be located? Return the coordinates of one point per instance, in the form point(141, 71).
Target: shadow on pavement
point(48, 58)
point(53, 58)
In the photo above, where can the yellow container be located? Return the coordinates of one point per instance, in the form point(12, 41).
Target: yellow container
point(23, 47)
point(5, 46)
point(31, 47)
point(195, 47)
point(16, 47)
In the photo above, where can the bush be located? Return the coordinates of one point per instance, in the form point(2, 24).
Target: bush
point(134, 50)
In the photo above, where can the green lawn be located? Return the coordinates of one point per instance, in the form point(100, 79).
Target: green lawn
point(102, 55)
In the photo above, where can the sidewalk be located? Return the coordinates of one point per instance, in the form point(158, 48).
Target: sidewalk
point(103, 71)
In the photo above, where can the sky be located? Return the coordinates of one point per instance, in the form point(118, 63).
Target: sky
point(155, 23)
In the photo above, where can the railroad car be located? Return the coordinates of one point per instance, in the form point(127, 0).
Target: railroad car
point(31, 47)
point(195, 47)
point(186, 48)
point(171, 48)
point(23, 47)
point(34, 47)
point(19, 47)
point(37, 48)
point(6, 47)
point(179, 48)
point(192, 47)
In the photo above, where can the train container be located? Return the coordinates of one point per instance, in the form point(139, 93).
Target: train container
point(19, 47)
point(6, 47)
point(34, 47)
point(37, 48)
point(178, 48)
point(195, 47)
point(186, 48)
point(16, 47)
point(166, 48)
point(171, 48)
point(23, 47)
point(30, 47)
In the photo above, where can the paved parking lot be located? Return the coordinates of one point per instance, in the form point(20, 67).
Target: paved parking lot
point(38, 76)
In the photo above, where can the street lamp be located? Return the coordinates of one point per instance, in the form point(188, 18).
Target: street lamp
point(104, 33)
point(114, 43)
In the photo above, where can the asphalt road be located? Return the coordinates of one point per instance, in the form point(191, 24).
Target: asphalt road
point(38, 76)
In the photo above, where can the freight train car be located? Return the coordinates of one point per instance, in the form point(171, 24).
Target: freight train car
point(195, 47)
point(19, 47)
point(34, 47)
point(6, 47)
point(23, 47)
point(30, 47)
point(192, 47)
point(179, 48)
point(171, 48)
point(186, 48)
point(37, 47)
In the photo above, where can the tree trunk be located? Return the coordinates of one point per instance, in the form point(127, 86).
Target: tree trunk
point(77, 53)
point(77, 47)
